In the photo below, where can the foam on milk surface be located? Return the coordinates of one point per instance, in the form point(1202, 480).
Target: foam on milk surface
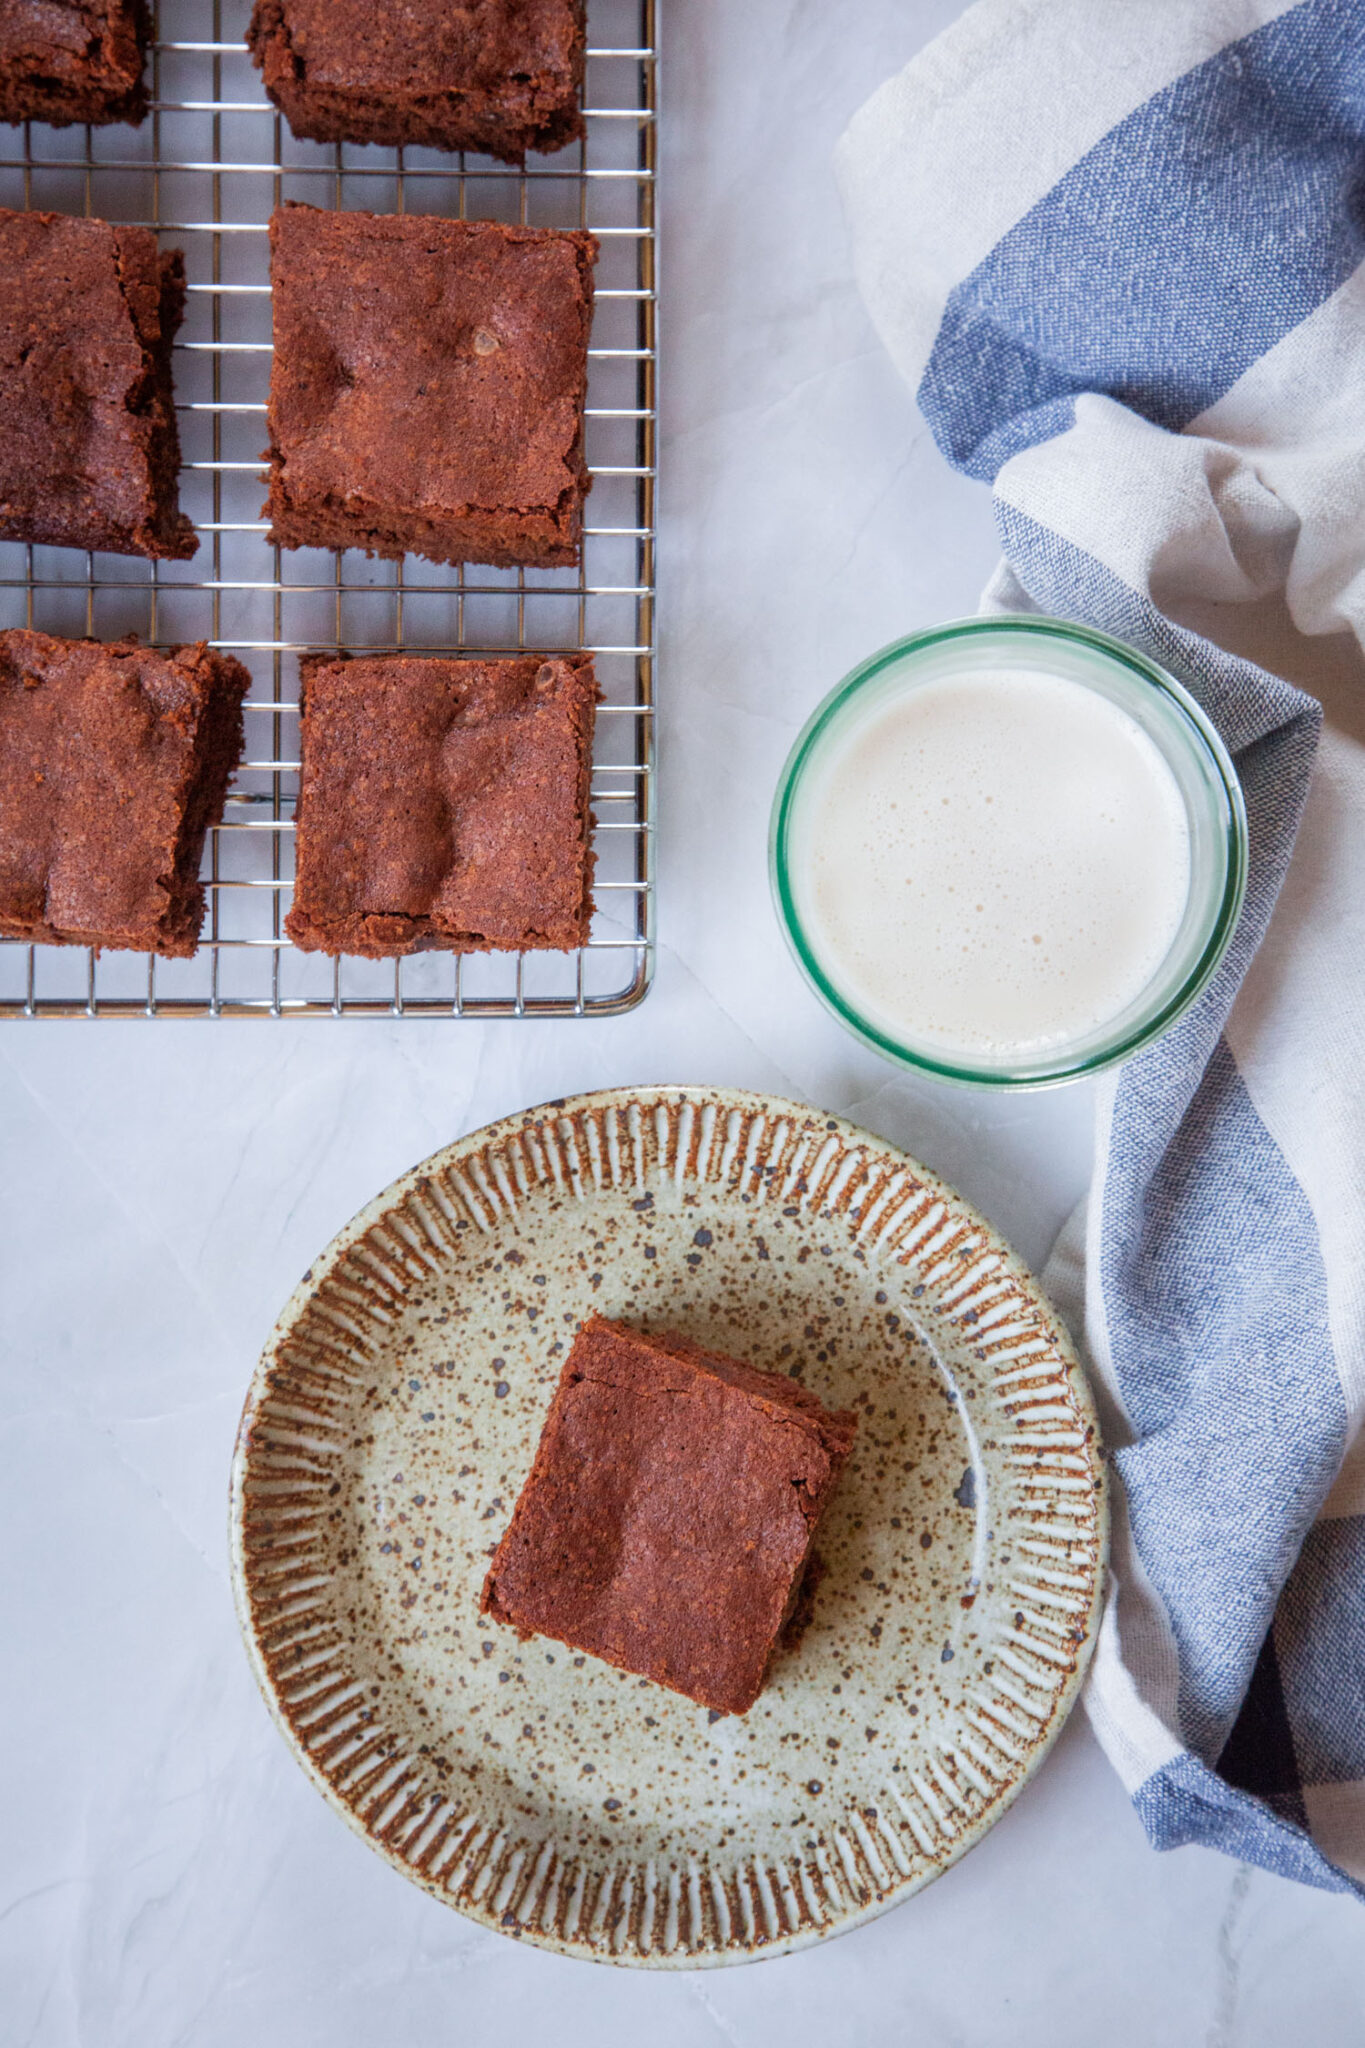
point(995, 863)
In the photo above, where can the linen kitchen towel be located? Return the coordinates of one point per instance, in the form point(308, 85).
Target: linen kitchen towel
point(1119, 253)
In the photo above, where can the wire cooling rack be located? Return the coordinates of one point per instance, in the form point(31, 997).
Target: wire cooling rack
point(206, 169)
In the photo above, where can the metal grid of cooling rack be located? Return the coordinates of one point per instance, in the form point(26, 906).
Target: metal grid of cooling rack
point(206, 169)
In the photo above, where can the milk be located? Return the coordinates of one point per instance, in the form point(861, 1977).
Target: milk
point(993, 864)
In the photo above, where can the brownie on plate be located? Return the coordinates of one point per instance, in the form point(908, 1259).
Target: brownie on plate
point(499, 76)
point(443, 804)
point(73, 60)
point(114, 761)
point(428, 386)
point(669, 1514)
point(88, 449)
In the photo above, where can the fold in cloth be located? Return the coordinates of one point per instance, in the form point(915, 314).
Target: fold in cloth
point(1118, 255)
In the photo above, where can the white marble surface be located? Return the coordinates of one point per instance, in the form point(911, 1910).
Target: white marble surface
point(166, 1874)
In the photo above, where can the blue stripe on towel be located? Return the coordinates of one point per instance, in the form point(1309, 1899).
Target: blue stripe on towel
point(1182, 247)
point(1185, 1802)
point(1217, 1309)
point(1319, 1630)
point(1213, 1282)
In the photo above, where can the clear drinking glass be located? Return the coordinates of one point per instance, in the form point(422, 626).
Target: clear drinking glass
point(1166, 713)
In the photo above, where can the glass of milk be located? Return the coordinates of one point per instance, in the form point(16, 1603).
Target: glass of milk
point(1008, 850)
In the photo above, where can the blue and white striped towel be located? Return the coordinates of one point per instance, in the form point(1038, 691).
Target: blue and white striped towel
point(1119, 252)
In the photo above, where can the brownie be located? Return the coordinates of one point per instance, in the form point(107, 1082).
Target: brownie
point(443, 804)
point(669, 1514)
point(428, 386)
point(88, 449)
point(499, 76)
point(73, 60)
point(114, 761)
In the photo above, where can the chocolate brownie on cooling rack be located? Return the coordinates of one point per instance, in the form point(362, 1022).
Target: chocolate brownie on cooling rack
point(73, 60)
point(114, 762)
point(495, 76)
point(89, 456)
point(428, 386)
point(444, 805)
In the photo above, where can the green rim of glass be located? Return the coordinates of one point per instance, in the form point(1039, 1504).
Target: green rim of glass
point(1041, 1074)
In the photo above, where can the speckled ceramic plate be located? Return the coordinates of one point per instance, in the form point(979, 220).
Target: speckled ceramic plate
point(395, 1414)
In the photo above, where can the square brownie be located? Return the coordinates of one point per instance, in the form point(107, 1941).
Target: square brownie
point(443, 804)
point(428, 386)
point(114, 762)
point(498, 76)
point(669, 1514)
point(73, 60)
point(88, 450)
